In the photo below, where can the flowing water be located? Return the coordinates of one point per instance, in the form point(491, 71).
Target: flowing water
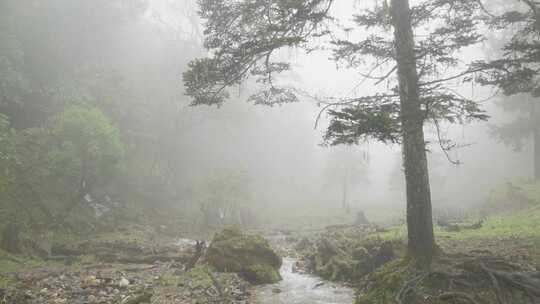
point(298, 288)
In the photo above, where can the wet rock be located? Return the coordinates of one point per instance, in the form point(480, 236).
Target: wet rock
point(249, 255)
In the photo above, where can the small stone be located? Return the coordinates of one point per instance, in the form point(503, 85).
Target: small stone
point(92, 299)
point(91, 281)
point(123, 282)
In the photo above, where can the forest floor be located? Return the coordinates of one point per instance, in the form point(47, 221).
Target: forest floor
point(498, 262)
point(132, 267)
point(126, 268)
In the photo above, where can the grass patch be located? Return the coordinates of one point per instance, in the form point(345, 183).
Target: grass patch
point(510, 226)
point(522, 225)
point(198, 276)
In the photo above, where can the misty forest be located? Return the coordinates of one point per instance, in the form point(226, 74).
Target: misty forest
point(270, 151)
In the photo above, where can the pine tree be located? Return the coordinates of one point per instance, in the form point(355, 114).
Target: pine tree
point(516, 74)
point(243, 35)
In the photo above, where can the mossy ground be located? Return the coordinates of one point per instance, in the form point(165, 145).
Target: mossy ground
point(11, 264)
point(520, 225)
point(511, 237)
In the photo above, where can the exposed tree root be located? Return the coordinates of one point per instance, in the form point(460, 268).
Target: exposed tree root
point(498, 291)
point(465, 277)
point(453, 295)
point(141, 298)
point(407, 293)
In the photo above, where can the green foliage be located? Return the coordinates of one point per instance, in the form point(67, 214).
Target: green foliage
point(224, 198)
point(14, 84)
point(55, 165)
point(7, 152)
point(243, 44)
point(516, 71)
point(87, 143)
point(446, 28)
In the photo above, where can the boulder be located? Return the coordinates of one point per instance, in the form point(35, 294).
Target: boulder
point(248, 255)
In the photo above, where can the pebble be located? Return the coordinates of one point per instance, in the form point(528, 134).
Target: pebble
point(123, 282)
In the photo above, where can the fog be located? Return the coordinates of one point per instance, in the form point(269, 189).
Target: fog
point(280, 148)
point(269, 151)
point(173, 149)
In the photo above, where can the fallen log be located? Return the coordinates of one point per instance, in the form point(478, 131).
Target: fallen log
point(455, 227)
point(149, 259)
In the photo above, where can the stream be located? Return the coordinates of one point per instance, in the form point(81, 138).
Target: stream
point(299, 288)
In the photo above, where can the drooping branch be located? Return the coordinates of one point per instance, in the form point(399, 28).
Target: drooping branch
point(241, 36)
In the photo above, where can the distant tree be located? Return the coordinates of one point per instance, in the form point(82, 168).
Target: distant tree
point(47, 171)
point(86, 149)
point(244, 35)
point(7, 151)
point(517, 73)
point(41, 61)
point(224, 198)
point(344, 168)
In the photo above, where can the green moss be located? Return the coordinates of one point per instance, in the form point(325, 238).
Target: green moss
point(197, 276)
point(262, 274)
point(249, 255)
point(227, 233)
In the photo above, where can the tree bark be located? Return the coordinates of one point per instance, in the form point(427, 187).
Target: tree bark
point(421, 243)
point(536, 139)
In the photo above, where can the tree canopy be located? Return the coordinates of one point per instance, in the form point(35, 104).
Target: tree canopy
point(242, 43)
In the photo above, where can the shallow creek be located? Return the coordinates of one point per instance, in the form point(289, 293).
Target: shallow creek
point(298, 288)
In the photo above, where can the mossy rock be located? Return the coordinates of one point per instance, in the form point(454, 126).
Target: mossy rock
point(246, 254)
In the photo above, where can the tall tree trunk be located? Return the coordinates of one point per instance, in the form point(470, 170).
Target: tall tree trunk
point(419, 219)
point(536, 139)
point(344, 198)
